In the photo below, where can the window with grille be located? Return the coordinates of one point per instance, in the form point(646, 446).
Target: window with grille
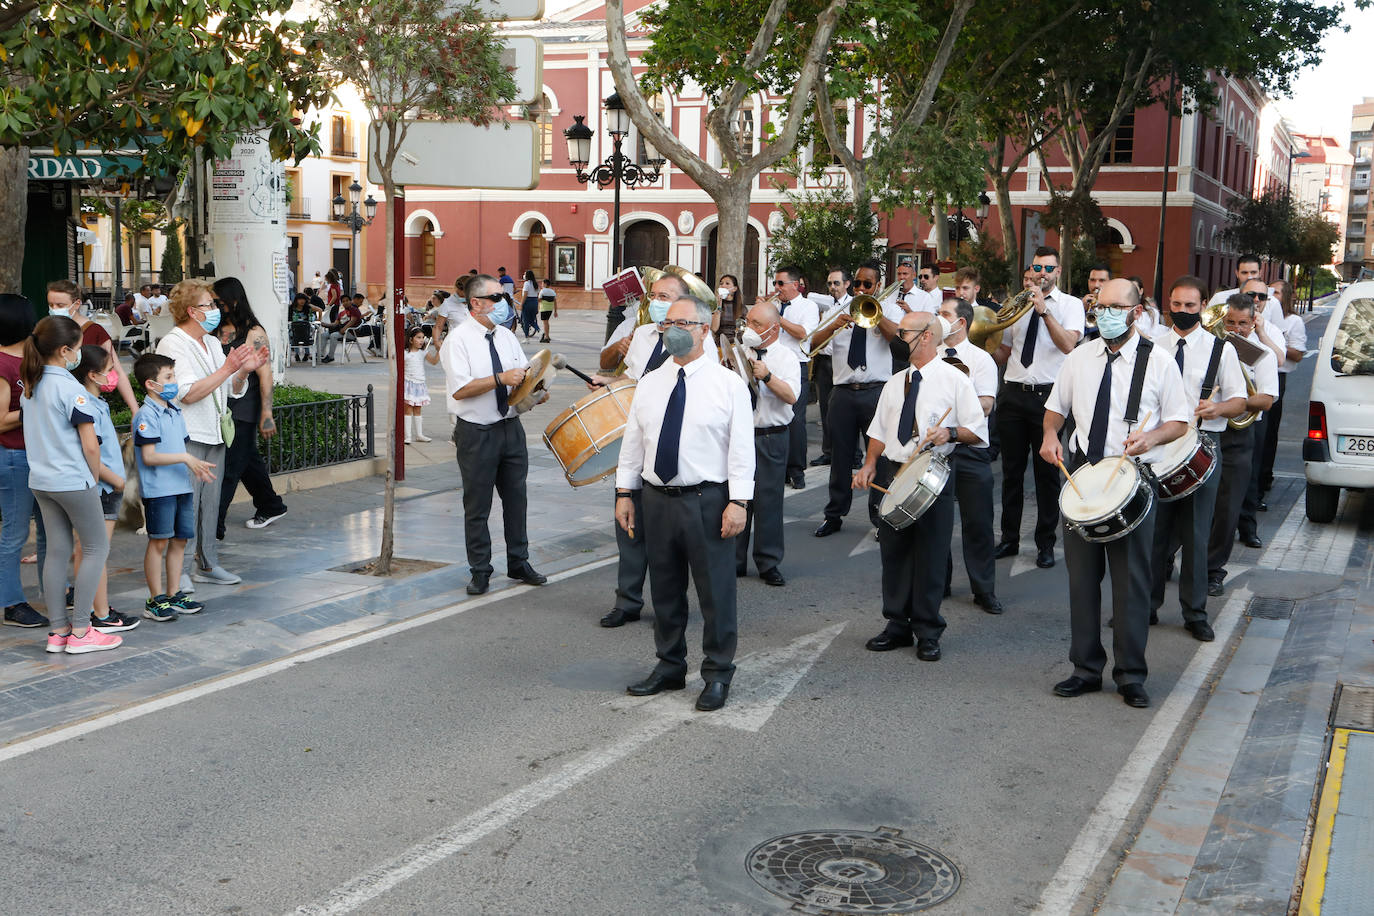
point(1122, 147)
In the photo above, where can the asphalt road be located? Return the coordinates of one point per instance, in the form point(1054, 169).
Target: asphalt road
point(489, 761)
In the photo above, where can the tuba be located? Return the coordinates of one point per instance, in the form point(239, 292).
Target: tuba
point(1214, 321)
point(987, 328)
point(864, 311)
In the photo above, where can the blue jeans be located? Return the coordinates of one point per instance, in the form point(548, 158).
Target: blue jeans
point(16, 508)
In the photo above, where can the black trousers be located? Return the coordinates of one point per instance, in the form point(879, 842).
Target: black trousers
point(1237, 453)
point(851, 411)
point(972, 485)
point(1020, 426)
point(633, 564)
point(243, 463)
point(1187, 523)
point(1273, 419)
point(493, 459)
point(1129, 561)
point(914, 560)
point(1262, 464)
point(684, 541)
point(796, 447)
point(822, 379)
point(764, 521)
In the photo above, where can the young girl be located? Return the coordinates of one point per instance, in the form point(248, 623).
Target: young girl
point(64, 465)
point(97, 375)
point(548, 307)
point(417, 389)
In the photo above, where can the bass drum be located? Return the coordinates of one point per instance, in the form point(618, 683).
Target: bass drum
point(914, 490)
point(585, 438)
point(1116, 499)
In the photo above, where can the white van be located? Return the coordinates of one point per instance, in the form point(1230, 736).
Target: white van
point(1339, 448)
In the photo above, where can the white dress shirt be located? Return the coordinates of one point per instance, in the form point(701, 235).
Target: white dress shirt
point(717, 439)
point(1265, 372)
point(982, 368)
point(824, 304)
point(1047, 358)
point(1197, 356)
point(1295, 335)
point(943, 387)
point(771, 410)
point(1272, 312)
point(1075, 393)
point(642, 347)
point(465, 356)
point(195, 361)
point(804, 312)
point(916, 299)
point(878, 355)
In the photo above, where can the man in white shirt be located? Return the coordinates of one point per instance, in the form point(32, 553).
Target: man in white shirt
point(1213, 381)
point(1033, 350)
point(778, 376)
point(861, 365)
point(142, 305)
point(1269, 330)
point(799, 317)
point(971, 465)
point(482, 364)
point(1098, 275)
point(689, 444)
point(1238, 446)
point(928, 296)
point(157, 301)
point(1293, 331)
point(1110, 405)
point(928, 392)
point(822, 372)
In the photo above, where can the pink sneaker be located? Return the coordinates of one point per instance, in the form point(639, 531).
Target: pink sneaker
point(93, 641)
point(57, 643)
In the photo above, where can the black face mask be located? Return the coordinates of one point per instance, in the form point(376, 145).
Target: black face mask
point(1186, 320)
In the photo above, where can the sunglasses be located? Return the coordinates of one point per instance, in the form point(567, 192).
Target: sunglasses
point(783, 282)
point(493, 298)
point(923, 277)
point(1047, 268)
point(866, 284)
point(1258, 297)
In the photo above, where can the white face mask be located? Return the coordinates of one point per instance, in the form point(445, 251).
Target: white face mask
point(751, 338)
point(723, 293)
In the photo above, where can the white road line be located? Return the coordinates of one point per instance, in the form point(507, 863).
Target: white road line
point(1115, 806)
point(166, 701)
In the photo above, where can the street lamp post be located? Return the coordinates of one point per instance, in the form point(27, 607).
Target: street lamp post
point(616, 170)
point(355, 221)
point(981, 214)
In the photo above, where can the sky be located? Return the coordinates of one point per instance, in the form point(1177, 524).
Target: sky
point(1323, 95)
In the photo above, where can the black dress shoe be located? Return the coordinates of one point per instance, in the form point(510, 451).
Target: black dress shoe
point(948, 591)
point(1251, 540)
point(1263, 506)
point(655, 683)
point(796, 480)
point(1201, 630)
point(772, 577)
point(820, 461)
point(928, 650)
point(1045, 558)
point(741, 572)
point(1005, 549)
point(713, 696)
point(1076, 686)
point(1134, 695)
point(618, 618)
point(479, 584)
point(886, 642)
point(527, 575)
point(1154, 617)
point(828, 527)
point(989, 603)
point(1215, 589)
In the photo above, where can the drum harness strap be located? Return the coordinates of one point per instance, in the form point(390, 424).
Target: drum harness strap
point(1142, 362)
point(1209, 381)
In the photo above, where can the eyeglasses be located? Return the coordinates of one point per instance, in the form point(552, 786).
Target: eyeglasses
point(1047, 268)
point(1112, 306)
point(493, 298)
point(1257, 296)
point(916, 332)
point(680, 323)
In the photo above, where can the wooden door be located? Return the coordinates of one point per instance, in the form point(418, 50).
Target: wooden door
point(646, 245)
point(537, 256)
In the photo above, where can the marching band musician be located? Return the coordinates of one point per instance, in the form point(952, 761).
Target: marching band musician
point(1212, 380)
point(689, 444)
point(971, 465)
point(1098, 274)
point(1098, 395)
point(482, 363)
point(799, 317)
point(1238, 445)
point(779, 379)
point(822, 374)
point(907, 297)
point(927, 279)
point(1033, 350)
point(861, 364)
point(914, 557)
point(1270, 331)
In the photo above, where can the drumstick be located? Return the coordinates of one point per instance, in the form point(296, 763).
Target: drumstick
point(874, 486)
point(1069, 478)
point(930, 431)
point(559, 362)
point(1116, 467)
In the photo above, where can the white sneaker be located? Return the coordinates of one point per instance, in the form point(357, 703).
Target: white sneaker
point(93, 641)
point(217, 575)
point(186, 585)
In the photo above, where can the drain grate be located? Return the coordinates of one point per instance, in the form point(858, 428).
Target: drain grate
point(852, 871)
point(1270, 608)
point(1354, 708)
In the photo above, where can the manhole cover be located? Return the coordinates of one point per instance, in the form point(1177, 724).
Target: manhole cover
point(853, 871)
point(1354, 708)
point(1271, 608)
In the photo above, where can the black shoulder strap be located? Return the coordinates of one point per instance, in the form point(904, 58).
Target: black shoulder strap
point(1142, 362)
point(1209, 381)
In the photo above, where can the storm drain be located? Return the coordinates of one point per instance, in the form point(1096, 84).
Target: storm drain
point(1270, 608)
point(853, 871)
point(1355, 708)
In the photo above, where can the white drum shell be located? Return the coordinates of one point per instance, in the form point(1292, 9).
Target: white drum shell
point(914, 490)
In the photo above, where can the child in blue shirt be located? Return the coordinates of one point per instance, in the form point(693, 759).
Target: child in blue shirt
point(164, 473)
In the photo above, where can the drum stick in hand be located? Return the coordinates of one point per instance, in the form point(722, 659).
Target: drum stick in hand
point(1069, 478)
point(925, 440)
point(1122, 460)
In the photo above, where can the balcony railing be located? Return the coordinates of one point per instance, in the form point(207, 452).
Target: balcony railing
point(343, 152)
point(298, 208)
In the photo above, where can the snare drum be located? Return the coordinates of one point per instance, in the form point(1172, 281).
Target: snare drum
point(1116, 499)
point(585, 438)
point(914, 490)
point(1183, 465)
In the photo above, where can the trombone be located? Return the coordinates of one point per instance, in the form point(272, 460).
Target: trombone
point(864, 311)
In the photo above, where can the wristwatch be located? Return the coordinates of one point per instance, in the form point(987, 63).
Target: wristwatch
point(624, 494)
point(742, 503)
point(953, 433)
point(767, 378)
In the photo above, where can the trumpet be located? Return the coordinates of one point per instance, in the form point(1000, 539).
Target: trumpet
point(1214, 320)
point(864, 311)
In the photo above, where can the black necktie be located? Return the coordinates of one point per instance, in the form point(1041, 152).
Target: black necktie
point(1178, 354)
point(906, 421)
point(1028, 346)
point(858, 348)
point(1097, 435)
point(665, 460)
point(502, 395)
point(657, 357)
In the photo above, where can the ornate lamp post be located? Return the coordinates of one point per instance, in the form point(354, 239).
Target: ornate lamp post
point(354, 221)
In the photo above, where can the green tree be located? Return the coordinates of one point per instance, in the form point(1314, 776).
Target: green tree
point(437, 59)
point(822, 231)
point(1265, 226)
point(163, 77)
point(172, 269)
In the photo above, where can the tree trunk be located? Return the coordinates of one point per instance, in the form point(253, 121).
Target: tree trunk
point(389, 501)
point(14, 203)
point(733, 207)
point(1011, 250)
point(940, 223)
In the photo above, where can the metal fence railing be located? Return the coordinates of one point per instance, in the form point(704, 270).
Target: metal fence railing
point(320, 433)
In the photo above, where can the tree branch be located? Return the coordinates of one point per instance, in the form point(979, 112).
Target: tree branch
point(918, 108)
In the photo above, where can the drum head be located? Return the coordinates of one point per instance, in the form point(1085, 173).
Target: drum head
point(1173, 454)
point(1106, 487)
point(585, 438)
point(539, 373)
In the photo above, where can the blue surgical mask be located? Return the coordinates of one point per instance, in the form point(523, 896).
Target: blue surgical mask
point(1112, 323)
point(500, 313)
point(71, 366)
point(658, 310)
point(678, 341)
point(59, 312)
point(210, 321)
point(168, 392)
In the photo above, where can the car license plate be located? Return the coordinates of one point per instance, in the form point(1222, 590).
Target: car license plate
point(1355, 445)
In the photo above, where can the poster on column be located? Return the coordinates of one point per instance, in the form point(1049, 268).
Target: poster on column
point(247, 190)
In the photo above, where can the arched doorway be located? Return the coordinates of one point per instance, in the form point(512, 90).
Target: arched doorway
point(1108, 250)
point(749, 283)
point(537, 251)
point(645, 245)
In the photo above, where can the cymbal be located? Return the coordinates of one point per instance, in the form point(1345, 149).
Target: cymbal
point(539, 376)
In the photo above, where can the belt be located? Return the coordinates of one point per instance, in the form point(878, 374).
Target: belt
point(770, 430)
point(1026, 386)
point(859, 386)
point(706, 486)
point(486, 426)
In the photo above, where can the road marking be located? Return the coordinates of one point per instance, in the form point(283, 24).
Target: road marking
point(1107, 819)
point(867, 543)
point(781, 669)
point(137, 710)
point(1303, 545)
point(1314, 878)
